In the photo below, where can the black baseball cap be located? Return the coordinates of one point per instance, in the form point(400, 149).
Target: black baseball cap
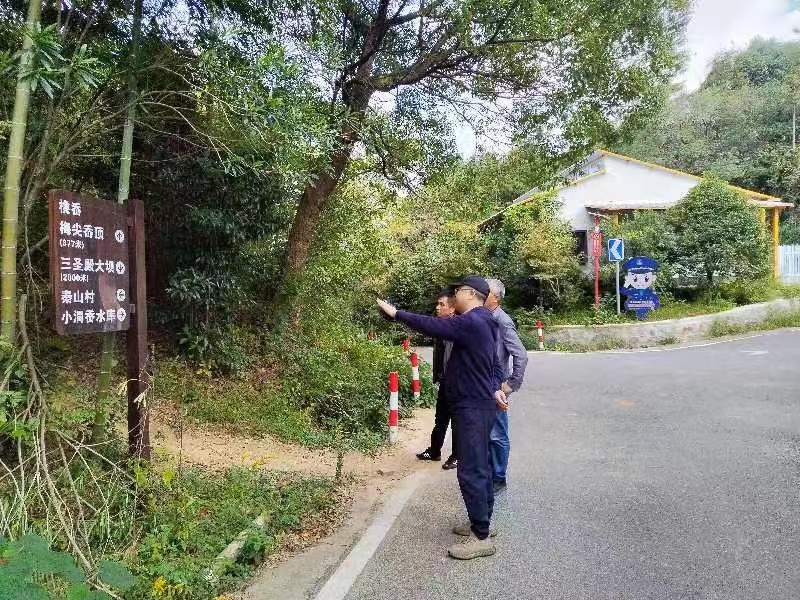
point(476, 282)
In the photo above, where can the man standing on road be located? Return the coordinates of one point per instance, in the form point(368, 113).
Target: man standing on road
point(471, 382)
point(445, 308)
point(509, 347)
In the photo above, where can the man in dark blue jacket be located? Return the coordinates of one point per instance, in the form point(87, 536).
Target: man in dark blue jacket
point(472, 383)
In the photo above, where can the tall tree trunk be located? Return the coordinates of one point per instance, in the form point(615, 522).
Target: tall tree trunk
point(14, 167)
point(317, 193)
point(312, 204)
point(109, 339)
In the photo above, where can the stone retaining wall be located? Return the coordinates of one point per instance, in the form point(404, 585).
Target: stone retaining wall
point(651, 333)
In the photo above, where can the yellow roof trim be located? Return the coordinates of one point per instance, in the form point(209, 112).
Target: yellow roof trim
point(751, 193)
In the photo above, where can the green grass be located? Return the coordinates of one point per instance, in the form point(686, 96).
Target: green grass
point(189, 518)
point(672, 310)
point(250, 407)
point(774, 321)
point(719, 328)
point(758, 291)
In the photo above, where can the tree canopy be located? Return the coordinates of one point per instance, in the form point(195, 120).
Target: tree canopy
point(738, 125)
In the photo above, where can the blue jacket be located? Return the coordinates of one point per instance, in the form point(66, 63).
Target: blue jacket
point(510, 346)
point(474, 372)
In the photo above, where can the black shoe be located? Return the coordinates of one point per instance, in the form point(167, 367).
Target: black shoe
point(450, 463)
point(499, 486)
point(427, 455)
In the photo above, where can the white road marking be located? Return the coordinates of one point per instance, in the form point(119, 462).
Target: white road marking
point(344, 577)
point(754, 352)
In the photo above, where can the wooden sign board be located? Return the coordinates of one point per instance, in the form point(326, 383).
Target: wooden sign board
point(89, 264)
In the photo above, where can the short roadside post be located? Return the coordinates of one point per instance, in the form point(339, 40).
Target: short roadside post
point(394, 405)
point(616, 254)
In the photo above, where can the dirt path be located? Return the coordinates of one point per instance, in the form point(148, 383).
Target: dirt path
point(212, 448)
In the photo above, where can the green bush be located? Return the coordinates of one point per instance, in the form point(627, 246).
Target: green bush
point(533, 253)
point(790, 228)
point(31, 570)
point(219, 350)
point(745, 291)
point(720, 237)
point(343, 381)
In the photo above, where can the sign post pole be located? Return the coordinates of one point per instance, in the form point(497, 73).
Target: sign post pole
point(616, 253)
point(597, 243)
point(138, 418)
point(97, 271)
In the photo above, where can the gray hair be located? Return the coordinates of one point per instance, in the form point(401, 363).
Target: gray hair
point(497, 288)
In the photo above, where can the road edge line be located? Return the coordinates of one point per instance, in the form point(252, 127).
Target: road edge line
point(339, 584)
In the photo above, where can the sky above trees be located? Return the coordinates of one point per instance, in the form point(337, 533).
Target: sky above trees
point(718, 25)
point(715, 26)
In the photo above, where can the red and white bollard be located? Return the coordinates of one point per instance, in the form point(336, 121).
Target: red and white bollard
point(540, 335)
point(416, 386)
point(394, 406)
point(406, 344)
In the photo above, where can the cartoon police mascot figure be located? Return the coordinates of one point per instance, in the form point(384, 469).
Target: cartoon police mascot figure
point(638, 286)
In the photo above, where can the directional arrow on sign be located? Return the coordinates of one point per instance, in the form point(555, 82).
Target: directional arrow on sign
point(616, 249)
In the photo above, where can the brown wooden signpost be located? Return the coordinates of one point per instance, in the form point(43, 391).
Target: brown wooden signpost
point(98, 276)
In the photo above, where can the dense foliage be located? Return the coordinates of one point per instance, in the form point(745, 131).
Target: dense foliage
point(295, 160)
point(738, 125)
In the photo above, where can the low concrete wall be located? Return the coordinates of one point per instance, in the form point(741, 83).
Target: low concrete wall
point(651, 333)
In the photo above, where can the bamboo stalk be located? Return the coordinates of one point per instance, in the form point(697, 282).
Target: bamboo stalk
point(14, 167)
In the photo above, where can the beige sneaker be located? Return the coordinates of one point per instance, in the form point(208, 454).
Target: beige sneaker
point(466, 529)
point(471, 547)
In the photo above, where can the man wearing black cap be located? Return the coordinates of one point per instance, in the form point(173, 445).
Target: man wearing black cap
point(472, 382)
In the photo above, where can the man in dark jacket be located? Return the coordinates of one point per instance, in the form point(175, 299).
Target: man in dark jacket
point(445, 308)
point(472, 383)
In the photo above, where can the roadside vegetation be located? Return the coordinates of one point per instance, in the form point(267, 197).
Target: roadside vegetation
point(282, 195)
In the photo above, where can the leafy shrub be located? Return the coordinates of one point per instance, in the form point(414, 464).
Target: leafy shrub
point(745, 291)
point(532, 252)
point(342, 381)
point(218, 350)
point(720, 237)
point(30, 570)
point(790, 228)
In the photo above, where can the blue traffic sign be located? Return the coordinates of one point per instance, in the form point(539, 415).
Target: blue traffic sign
point(616, 249)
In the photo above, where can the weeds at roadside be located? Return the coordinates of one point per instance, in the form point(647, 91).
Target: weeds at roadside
point(192, 516)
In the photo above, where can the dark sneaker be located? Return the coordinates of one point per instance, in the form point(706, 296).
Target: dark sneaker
point(426, 455)
point(465, 529)
point(450, 463)
point(499, 486)
point(471, 547)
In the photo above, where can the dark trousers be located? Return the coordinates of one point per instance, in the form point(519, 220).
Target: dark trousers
point(474, 427)
point(444, 417)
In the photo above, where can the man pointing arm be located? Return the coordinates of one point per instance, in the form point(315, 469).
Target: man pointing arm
point(472, 384)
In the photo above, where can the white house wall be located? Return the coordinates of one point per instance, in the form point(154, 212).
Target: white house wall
point(622, 182)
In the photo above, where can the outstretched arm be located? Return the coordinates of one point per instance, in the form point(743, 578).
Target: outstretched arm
point(447, 329)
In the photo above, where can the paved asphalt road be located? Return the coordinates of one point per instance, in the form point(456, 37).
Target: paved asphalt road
point(669, 474)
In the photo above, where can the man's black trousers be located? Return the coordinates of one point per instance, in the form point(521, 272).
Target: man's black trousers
point(444, 416)
point(474, 426)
